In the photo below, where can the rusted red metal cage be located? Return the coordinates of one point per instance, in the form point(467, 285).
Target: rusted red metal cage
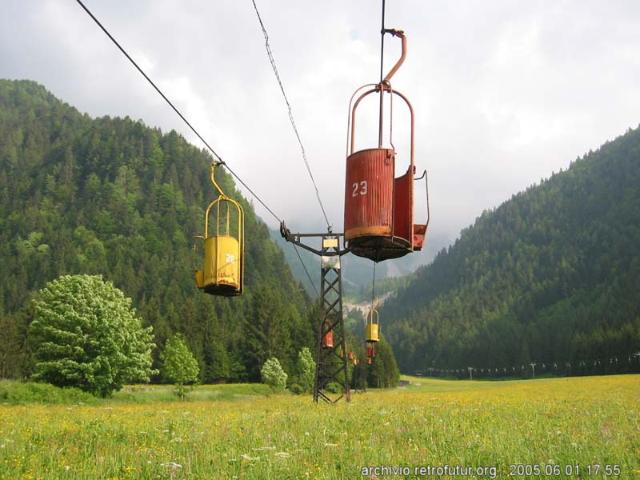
point(378, 214)
point(371, 352)
point(327, 339)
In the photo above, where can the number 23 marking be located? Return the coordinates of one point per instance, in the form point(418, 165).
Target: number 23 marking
point(359, 188)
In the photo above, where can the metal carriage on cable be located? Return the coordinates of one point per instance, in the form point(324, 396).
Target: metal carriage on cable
point(223, 265)
point(372, 333)
point(372, 328)
point(378, 215)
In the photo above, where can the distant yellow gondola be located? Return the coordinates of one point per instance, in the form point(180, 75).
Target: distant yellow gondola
point(372, 328)
point(223, 270)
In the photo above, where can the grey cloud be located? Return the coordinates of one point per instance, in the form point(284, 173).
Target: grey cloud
point(505, 92)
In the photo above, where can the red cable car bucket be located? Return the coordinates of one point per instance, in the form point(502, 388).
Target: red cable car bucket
point(327, 339)
point(378, 214)
point(371, 352)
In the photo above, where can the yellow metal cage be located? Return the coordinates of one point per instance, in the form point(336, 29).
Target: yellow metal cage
point(372, 327)
point(223, 268)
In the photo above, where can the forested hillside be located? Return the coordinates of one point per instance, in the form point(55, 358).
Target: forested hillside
point(114, 197)
point(552, 275)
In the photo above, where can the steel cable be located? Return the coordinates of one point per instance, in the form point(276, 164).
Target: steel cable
point(290, 111)
point(184, 119)
point(175, 109)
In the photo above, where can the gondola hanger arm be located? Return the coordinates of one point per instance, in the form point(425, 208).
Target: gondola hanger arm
point(396, 33)
point(296, 239)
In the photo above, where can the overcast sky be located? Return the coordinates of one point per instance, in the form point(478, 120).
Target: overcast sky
point(505, 92)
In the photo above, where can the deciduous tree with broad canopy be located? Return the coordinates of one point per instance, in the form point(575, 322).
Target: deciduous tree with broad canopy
point(85, 334)
point(306, 369)
point(179, 366)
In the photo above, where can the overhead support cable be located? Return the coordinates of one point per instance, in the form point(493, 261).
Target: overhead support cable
point(295, 247)
point(217, 157)
point(381, 106)
point(382, 29)
point(290, 111)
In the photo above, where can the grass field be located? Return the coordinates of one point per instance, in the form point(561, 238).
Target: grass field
point(568, 427)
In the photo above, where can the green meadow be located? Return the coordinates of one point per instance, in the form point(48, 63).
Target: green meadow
point(585, 427)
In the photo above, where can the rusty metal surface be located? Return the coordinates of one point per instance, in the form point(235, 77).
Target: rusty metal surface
point(378, 216)
point(403, 55)
point(403, 206)
point(369, 193)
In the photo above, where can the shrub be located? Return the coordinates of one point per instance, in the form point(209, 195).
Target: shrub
point(30, 392)
point(273, 374)
point(296, 389)
point(333, 387)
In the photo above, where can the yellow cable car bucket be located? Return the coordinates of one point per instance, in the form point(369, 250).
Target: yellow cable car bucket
point(372, 327)
point(223, 269)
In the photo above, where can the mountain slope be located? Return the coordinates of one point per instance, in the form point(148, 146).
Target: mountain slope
point(553, 274)
point(357, 271)
point(112, 196)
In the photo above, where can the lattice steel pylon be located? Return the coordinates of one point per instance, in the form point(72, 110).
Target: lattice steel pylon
point(331, 349)
point(331, 362)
